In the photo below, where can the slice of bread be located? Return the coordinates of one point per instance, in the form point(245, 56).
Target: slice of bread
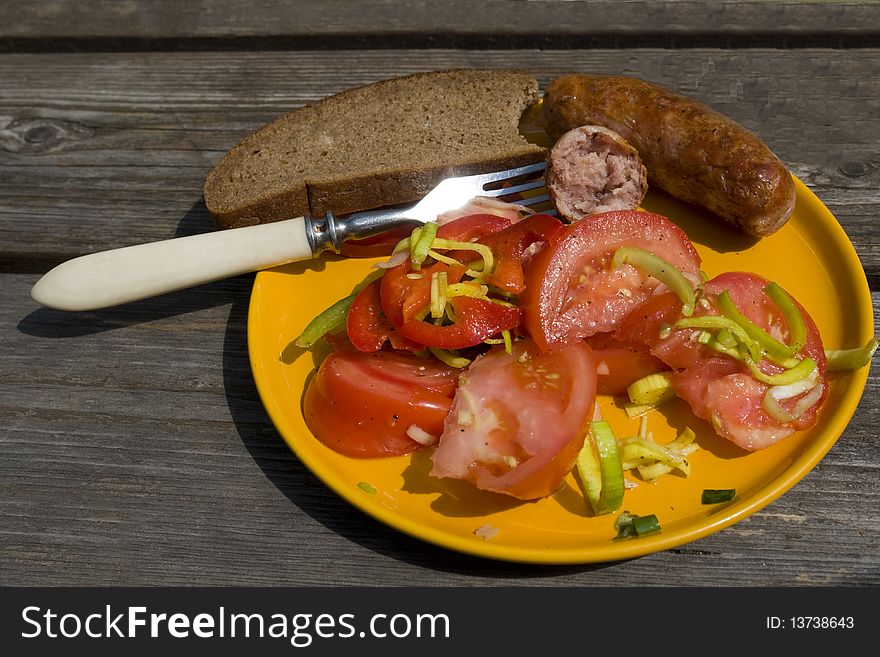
point(382, 144)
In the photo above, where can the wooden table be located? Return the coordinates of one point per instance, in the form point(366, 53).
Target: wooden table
point(135, 449)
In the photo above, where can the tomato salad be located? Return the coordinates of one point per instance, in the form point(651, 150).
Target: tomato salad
point(487, 338)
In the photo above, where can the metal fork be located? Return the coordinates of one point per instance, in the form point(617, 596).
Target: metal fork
point(328, 232)
point(136, 272)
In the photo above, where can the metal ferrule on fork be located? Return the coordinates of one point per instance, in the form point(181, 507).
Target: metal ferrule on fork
point(329, 232)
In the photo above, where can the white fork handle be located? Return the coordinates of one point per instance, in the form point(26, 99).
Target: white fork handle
point(136, 272)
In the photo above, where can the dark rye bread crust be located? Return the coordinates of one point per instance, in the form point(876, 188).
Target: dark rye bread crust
point(382, 144)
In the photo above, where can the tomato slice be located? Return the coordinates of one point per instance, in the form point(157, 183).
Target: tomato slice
point(361, 404)
point(718, 388)
point(619, 364)
point(518, 420)
point(643, 326)
point(367, 327)
point(571, 290)
point(510, 248)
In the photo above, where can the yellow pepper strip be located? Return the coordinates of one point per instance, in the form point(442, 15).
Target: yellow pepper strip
point(664, 272)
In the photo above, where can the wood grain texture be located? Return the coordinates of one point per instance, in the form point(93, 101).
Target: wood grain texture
point(135, 449)
point(167, 24)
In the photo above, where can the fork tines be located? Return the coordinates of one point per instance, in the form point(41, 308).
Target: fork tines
point(524, 181)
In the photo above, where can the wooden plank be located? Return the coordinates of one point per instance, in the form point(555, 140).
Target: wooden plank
point(136, 451)
point(100, 152)
point(107, 24)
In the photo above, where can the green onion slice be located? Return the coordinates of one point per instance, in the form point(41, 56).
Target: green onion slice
point(797, 330)
point(797, 373)
point(773, 348)
point(329, 320)
point(639, 452)
point(840, 360)
point(439, 294)
point(683, 446)
point(420, 243)
point(637, 410)
point(602, 477)
point(467, 289)
point(484, 251)
point(723, 323)
point(651, 390)
point(629, 525)
point(450, 358)
point(717, 496)
point(664, 272)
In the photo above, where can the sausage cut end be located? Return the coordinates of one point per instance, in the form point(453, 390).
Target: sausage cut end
point(593, 169)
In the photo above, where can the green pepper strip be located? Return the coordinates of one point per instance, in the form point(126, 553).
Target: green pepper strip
point(332, 318)
point(420, 243)
point(840, 360)
point(664, 272)
point(603, 478)
point(797, 331)
point(773, 348)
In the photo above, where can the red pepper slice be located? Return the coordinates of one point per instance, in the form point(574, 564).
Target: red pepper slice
point(471, 227)
point(476, 320)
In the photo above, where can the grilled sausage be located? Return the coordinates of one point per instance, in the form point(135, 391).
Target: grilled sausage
point(592, 169)
point(691, 151)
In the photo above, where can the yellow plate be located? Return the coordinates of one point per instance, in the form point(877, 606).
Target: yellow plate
point(811, 257)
